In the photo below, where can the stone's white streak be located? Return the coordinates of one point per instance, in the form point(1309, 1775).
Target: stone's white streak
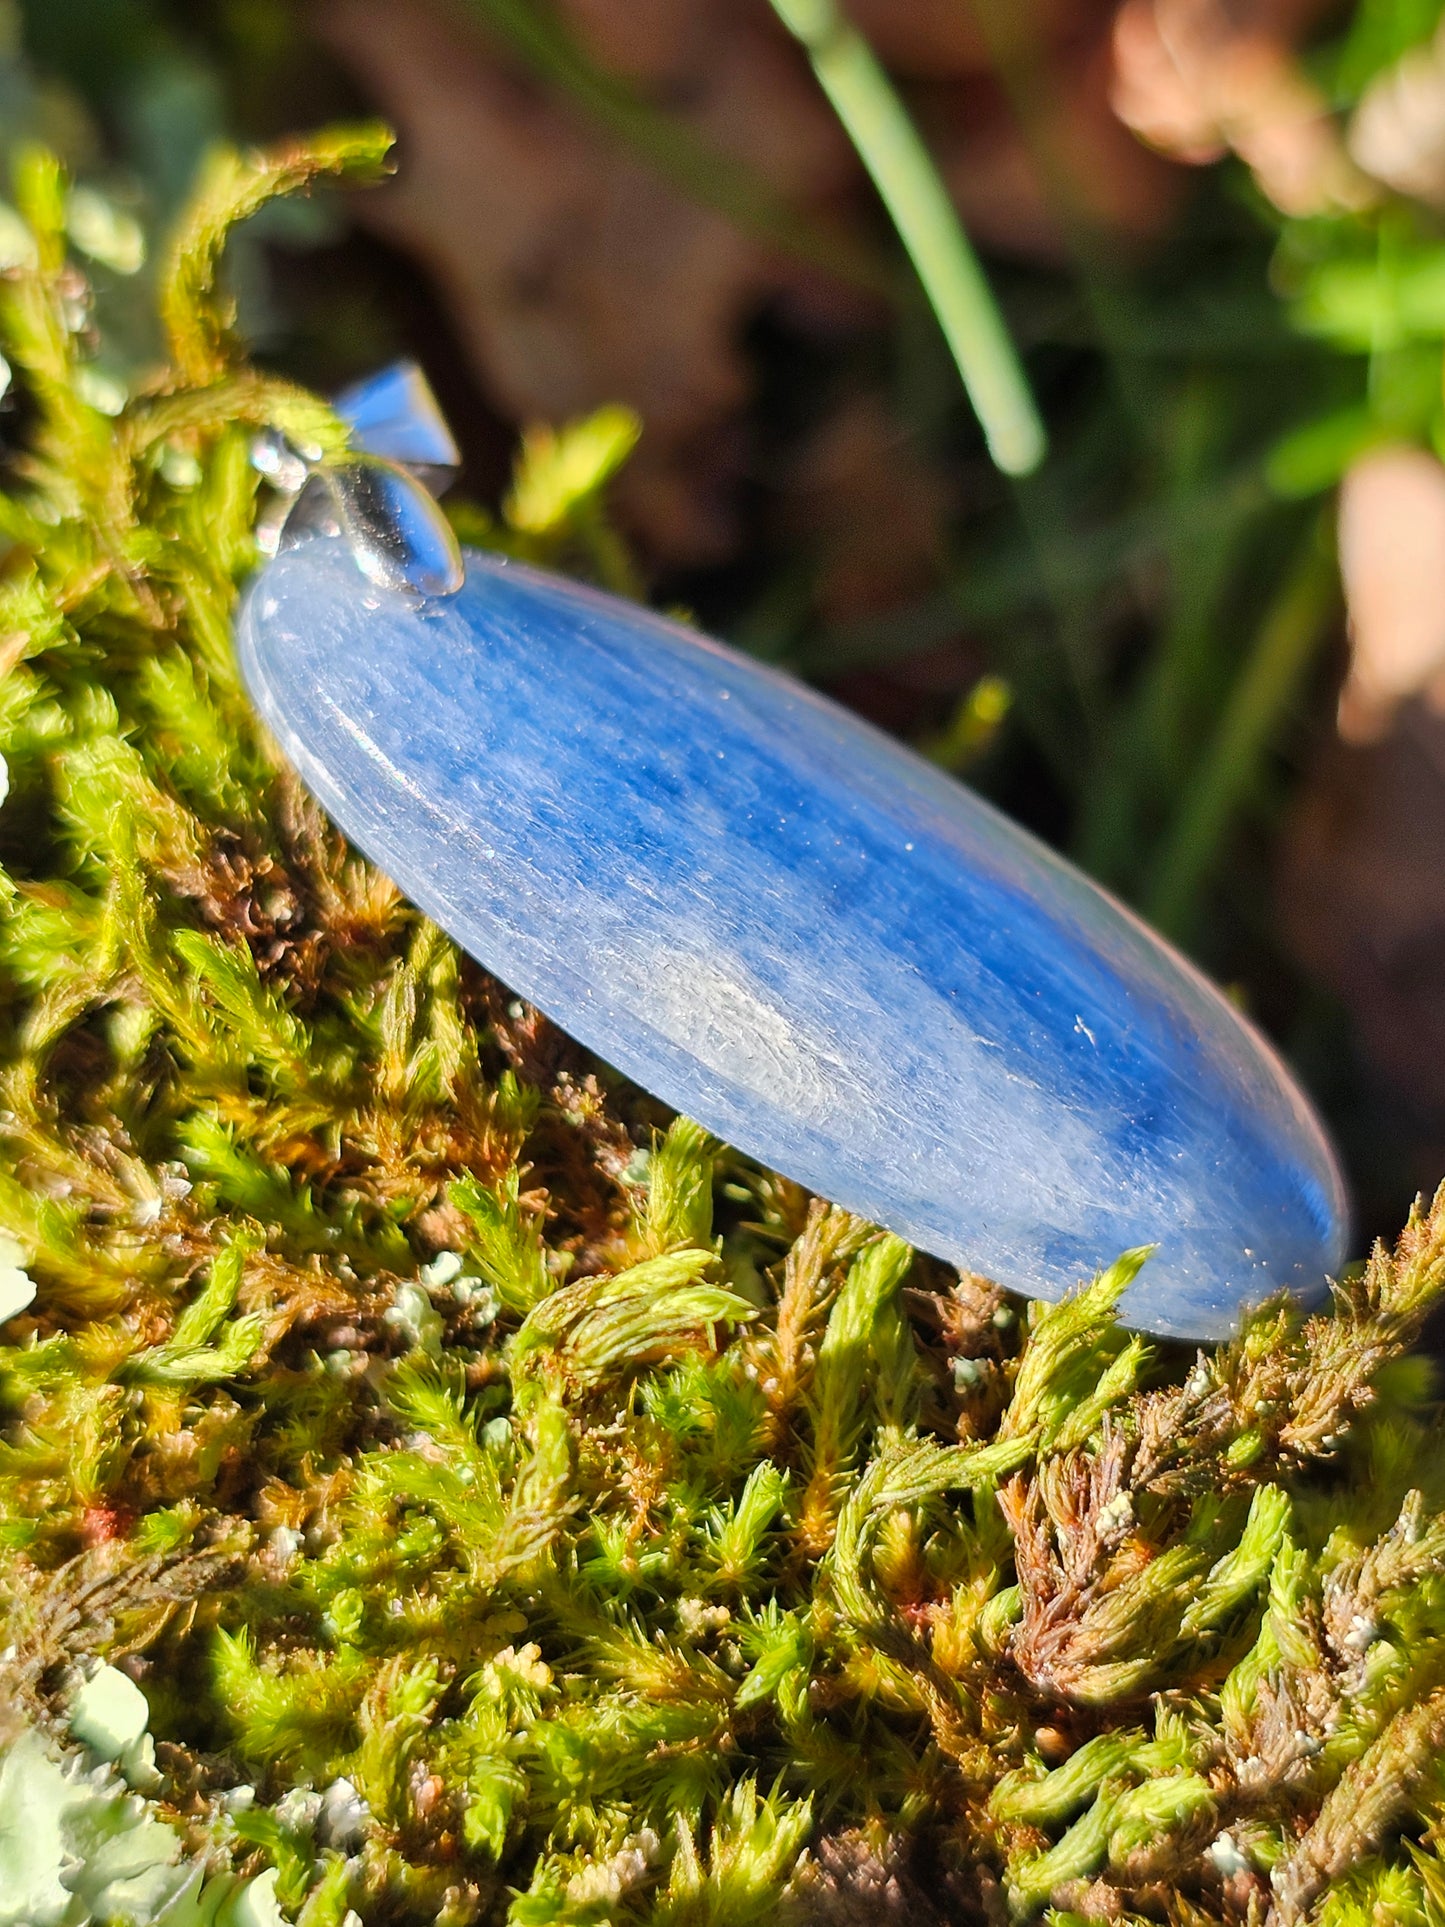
point(708, 1006)
point(789, 927)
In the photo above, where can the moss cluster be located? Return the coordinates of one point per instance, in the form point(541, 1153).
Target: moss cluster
point(508, 1503)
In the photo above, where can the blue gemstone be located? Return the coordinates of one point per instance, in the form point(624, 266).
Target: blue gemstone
point(787, 926)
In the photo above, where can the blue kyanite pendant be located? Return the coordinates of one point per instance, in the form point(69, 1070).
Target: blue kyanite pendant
point(789, 927)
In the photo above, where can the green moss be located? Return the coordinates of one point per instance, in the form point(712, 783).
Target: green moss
point(512, 1504)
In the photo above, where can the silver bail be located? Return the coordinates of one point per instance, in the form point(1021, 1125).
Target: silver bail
point(394, 413)
point(376, 498)
point(398, 537)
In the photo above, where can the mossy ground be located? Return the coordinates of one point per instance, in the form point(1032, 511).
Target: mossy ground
point(512, 1504)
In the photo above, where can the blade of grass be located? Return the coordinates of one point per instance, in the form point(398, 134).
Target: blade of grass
point(1011, 33)
point(668, 146)
point(1156, 725)
point(901, 169)
point(1295, 624)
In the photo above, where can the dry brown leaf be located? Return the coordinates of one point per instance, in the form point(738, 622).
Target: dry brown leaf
point(1197, 79)
point(1392, 559)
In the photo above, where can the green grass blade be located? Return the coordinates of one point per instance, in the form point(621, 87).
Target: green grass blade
point(1294, 625)
point(908, 184)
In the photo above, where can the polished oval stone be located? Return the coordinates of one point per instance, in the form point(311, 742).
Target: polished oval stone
point(786, 925)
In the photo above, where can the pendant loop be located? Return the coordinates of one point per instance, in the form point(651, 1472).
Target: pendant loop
point(398, 537)
point(375, 498)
